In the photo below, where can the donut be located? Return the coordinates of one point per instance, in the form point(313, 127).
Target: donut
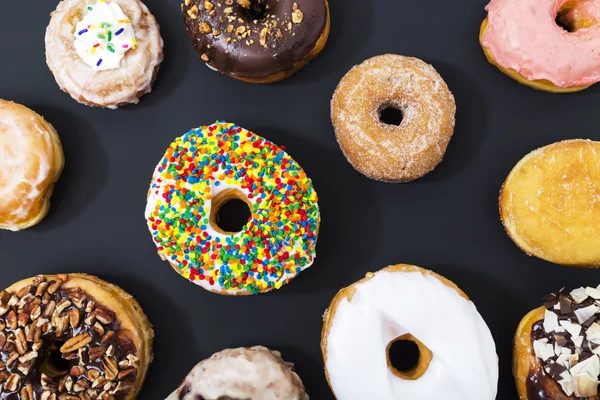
point(399, 304)
point(67, 337)
point(523, 39)
point(550, 203)
point(257, 41)
point(31, 161)
point(384, 151)
point(210, 166)
point(254, 373)
point(105, 53)
point(556, 347)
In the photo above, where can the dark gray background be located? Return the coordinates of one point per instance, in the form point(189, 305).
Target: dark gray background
point(447, 221)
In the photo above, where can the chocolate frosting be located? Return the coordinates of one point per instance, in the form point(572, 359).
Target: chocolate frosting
point(254, 38)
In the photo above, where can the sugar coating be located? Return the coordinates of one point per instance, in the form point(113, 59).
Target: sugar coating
point(276, 244)
point(387, 152)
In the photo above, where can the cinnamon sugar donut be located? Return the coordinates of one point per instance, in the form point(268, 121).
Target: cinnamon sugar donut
point(387, 152)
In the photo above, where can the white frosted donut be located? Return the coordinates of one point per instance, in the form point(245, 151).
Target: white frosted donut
point(254, 373)
point(457, 360)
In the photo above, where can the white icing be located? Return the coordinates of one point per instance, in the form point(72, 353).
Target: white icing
point(254, 373)
point(26, 157)
point(103, 22)
point(464, 364)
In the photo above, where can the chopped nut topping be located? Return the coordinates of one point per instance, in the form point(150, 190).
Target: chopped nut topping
point(244, 3)
point(204, 57)
point(205, 28)
point(208, 6)
point(193, 12)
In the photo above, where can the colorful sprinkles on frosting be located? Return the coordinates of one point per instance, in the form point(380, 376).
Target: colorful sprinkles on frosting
point(279, 239)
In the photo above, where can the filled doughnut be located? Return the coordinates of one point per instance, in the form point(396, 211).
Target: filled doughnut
point(384, 151)
point(550, 205)
point(557, 347)
point(211, 166)
point(403, 304)
point(254, 373)
point(257, 41)
point(525, 41)
point(31, 161)
point(104, 53)
point(68, 337)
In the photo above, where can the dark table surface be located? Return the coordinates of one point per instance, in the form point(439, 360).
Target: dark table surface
point(447, 221)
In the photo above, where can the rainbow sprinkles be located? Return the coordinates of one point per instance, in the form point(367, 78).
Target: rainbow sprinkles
point(103, 36)
point(276, 244)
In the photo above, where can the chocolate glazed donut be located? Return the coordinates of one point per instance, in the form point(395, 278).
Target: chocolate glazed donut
point(257, 41)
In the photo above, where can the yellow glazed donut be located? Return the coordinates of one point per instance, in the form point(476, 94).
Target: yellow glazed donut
point(31, 161)
point(550, 206)
point(457, 355)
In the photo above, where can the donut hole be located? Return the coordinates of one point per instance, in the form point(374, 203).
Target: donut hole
point(230, 211)
point(390, 115)
point(54, 364)
point(568, 19)
point(407, 357)
point(255, 10)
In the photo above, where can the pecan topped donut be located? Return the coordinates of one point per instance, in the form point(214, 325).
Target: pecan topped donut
point(257, 41)
point(71, 337)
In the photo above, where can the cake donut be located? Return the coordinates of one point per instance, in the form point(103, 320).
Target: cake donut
point(383, 151)
point(550, 203)
point(557, 347)
point(31, 161)
point(457, 355)
point(523, 39)
point(210, 166)
point(67, 337)
point(254, 373)
point(104, 53)
point(257, 41)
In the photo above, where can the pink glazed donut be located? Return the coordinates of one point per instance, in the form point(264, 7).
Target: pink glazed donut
point(551, 45)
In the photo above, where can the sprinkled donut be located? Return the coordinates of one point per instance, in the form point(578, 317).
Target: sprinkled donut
point(403, 303)
point(387, 152)
point(208, 167)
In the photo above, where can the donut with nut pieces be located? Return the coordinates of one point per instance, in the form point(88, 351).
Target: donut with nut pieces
point(72, 336)
point(257, 41)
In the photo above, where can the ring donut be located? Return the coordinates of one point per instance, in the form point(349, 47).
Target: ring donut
point(31, 161)
point(211, 166)
point(258, 373)
point(104, 53)
point(97, 330)
point(556, 347)
point(387, 152)
point(522, 38)
point(257, 41)
point(407, 303)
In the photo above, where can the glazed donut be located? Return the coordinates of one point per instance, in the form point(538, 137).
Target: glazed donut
point(556, 347)
point(258, 374)
point(523, 39)
point(210, 166)
point(31, 161)
point(549, 203)
point(457, 355)
point(105, 53)
point(72, 337)
point(257, 41)
point(387, 152)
